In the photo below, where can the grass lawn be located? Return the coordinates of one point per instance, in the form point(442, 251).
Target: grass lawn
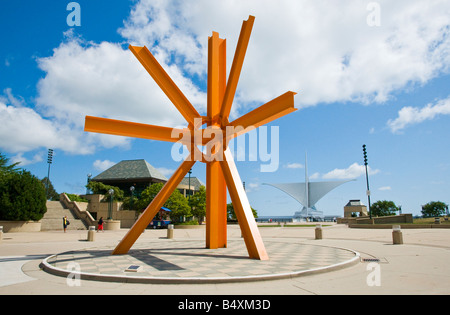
point(430, 221)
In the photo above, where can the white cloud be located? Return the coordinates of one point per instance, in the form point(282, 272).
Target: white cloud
point(19, 158)
point(412, 115)
point(385, 188)
point(103, 165)
point(23, 129)
point(353, 171)
point(325, 50)
point(166, 171)
point(251, 187)
point(101, 80)
point(105, 80)
point(294, 165)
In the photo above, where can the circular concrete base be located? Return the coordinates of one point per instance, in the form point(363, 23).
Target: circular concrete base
point(176, 261)
point(112, 225)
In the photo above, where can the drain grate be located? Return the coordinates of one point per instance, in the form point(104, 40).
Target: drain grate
point(371, 260)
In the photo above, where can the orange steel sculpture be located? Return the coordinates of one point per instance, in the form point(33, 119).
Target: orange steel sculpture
point(221, 171)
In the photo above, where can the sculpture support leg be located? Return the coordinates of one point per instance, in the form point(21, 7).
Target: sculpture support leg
point(149, 213)
point(216, 196)
point(216, 207)
point(250, 232)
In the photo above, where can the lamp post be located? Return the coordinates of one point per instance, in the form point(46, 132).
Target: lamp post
point(131, 200)
point(189, 188)
point(111, 193)
point(88, 191)
point(367, 178)
point(49, 161)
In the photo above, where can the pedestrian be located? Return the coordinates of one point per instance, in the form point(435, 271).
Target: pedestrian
point(100, 225)
point(65, 223)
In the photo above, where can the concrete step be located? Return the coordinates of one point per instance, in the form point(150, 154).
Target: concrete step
point(57, 224)
point(53, 218)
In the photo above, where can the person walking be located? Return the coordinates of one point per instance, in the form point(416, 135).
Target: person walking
point(100, 225)
point(65, 223)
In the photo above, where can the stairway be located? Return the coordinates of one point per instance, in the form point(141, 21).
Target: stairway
point(53, 218)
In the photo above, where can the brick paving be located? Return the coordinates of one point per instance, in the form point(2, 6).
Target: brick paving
point(189, 261)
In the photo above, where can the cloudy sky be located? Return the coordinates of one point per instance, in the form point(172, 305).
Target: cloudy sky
point(366, 72)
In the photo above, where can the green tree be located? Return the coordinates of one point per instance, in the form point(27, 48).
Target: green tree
point(231, 215)
point(22, 197)
point(434, 209)
point(51, 193)
point(383, 208)
point(102, 189)
point(198, 204)
point(177, 203)
point(5, 168)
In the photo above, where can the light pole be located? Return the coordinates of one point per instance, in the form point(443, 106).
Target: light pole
point(49, 161)
point(131, 198)
point(367, 179)
point(111, 192)
point(189, 189)
point(88, 191)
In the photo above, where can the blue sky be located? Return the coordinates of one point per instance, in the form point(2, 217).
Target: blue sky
point(366, 72)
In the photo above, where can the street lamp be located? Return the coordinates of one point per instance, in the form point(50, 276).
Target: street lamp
point(131, 200)
point(111, 193)
point(49, 161)
point(367, 179)
point(189, 188)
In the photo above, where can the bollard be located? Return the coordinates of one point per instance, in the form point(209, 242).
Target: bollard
point(397, 236)
point(91, 234)
point(1, 234)
point(318, 231)
point(170, 231)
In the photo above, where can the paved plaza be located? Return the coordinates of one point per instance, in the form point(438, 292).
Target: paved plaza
point(345, 261)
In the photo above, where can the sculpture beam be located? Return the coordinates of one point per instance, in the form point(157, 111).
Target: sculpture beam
point(264, 114)
point(236, 67)
point(149, 213)
point(166, 84)
point(136, 130)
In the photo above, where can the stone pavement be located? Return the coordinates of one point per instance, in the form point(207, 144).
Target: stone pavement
point(419, 266)
point(188, 261)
